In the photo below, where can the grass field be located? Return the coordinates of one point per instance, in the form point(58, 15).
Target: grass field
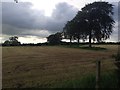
point(52, 66)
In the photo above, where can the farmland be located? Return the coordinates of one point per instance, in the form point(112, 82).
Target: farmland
point(50, 66)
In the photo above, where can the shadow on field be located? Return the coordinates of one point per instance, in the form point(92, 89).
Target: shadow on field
point(87, 48)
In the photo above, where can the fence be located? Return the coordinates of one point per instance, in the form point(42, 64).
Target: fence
point(98, 74)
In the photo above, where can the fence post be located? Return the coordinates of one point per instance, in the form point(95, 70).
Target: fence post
point(98, 74)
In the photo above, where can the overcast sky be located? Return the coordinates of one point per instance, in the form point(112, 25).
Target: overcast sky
point(34, 20)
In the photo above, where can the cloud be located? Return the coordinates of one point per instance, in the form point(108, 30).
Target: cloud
point(61, 14)
point(21, 19)
point(20, 15)
point(115, 11)
point(115, 34)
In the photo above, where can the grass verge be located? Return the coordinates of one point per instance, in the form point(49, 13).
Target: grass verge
point(108, 80)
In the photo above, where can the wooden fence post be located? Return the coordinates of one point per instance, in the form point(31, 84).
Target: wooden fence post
point(98, 74)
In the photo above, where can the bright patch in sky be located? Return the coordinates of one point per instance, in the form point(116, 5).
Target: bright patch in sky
point(46, 5)
point(32, 39)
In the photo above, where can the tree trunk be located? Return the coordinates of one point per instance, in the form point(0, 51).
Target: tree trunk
point(70, 41)
point(90, 39)
point(78, 41)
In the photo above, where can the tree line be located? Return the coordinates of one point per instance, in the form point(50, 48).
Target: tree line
point(13, 41)
point(92, 22)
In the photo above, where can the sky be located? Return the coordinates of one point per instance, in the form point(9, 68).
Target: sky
point(33, 20)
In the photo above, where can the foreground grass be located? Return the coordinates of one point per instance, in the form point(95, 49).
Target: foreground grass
point(54, 66)
point(108, 80)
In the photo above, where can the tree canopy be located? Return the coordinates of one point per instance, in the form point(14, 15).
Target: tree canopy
point(94, 21)
point(16, 1)
point(54, 39)
point(13, 41)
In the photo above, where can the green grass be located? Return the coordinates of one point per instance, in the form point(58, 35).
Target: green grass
point(87, 81)
point(108, 80)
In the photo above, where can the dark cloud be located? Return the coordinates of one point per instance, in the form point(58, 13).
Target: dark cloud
point(116, 17)
point(115, 11)
point(21, 19)
point(64, 12)
point(20, 15)
point(60, 16)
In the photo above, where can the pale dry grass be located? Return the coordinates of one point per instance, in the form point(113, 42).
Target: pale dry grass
point(48, 65)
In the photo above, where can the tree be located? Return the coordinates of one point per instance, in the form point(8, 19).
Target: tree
point(6, 43)
point(93, 22)
point(13, 41)
point(75, 28)
point(16, 1)
point(54, 39)
point(99, 20)
point(81, 26)
point(68, 30)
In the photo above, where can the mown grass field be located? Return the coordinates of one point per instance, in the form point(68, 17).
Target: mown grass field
point(53, 66)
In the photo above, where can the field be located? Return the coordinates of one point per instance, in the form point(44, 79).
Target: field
point(52, 66)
